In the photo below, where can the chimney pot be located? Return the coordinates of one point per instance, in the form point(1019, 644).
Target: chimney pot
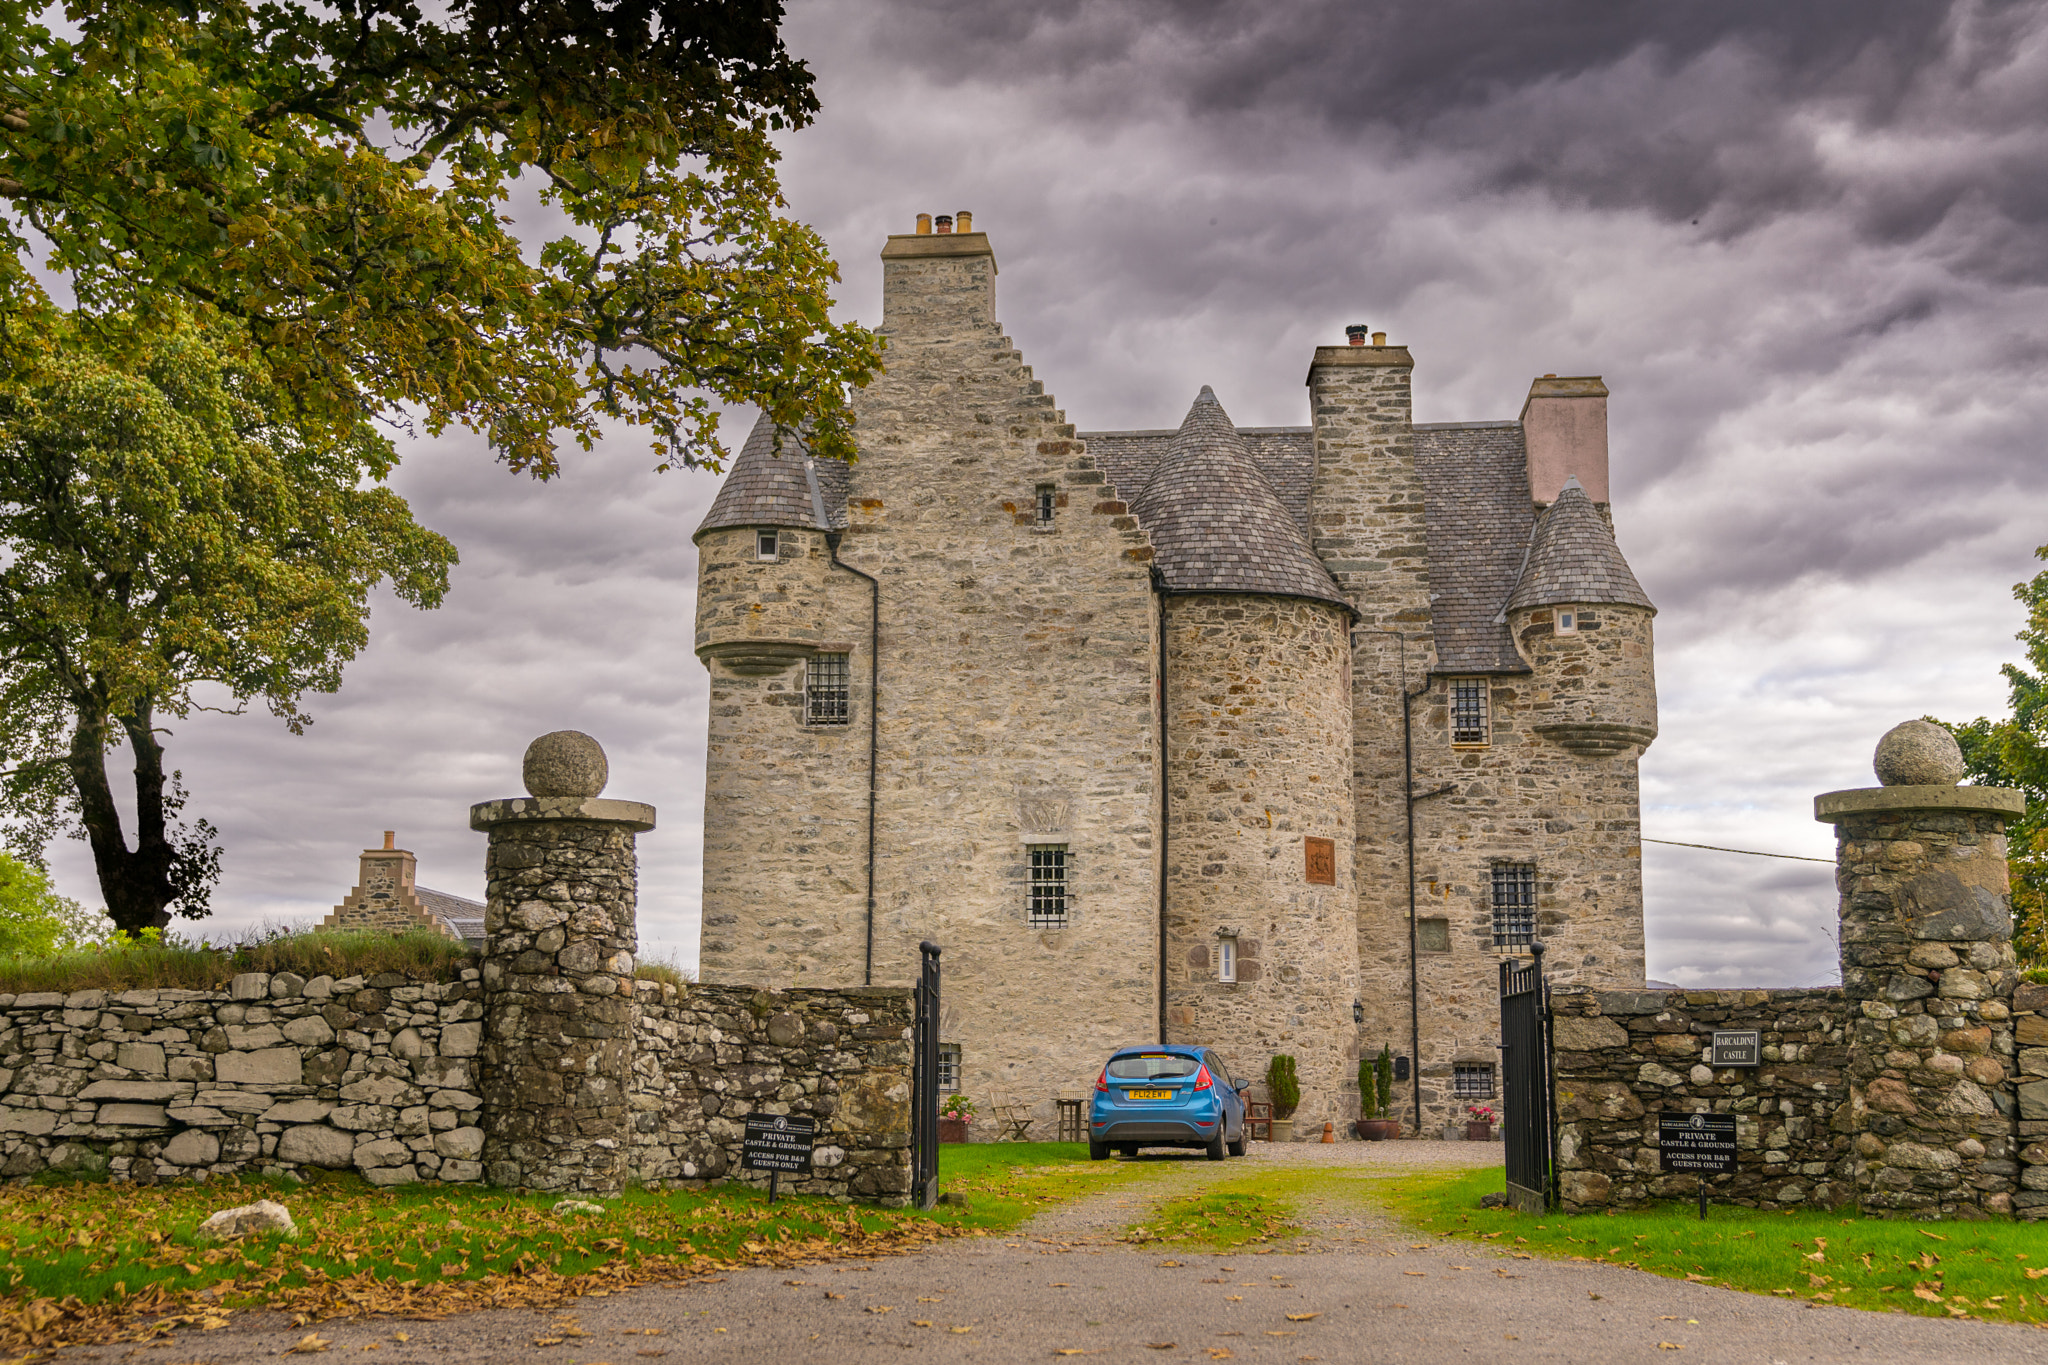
point(1379, 338)
point(965, 221)
point(924, 225)
point(1355, 333)
point(1550, 376)
point(391, 838)
point(943, 223)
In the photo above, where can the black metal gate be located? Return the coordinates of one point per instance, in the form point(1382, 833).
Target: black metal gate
point(1529, 1120)
point(924, 1083)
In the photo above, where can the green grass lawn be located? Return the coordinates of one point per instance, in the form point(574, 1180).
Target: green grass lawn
point(84, 1259)
point(1996, 1271)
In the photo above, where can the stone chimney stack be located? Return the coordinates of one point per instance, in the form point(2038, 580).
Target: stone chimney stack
point(383, 896)
point(1564, 429)
point(936, 286)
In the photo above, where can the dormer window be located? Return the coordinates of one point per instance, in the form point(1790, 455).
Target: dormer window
point(765, 545)
point(1047, 499)
point(1567, 621)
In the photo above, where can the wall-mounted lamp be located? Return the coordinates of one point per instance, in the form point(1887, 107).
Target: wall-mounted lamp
point(1358, 1011)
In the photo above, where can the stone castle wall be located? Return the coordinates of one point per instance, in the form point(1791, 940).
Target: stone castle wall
point(1624, 1057)
point(1259, 757)
point(283, 1075)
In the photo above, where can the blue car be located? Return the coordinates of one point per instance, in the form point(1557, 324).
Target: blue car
point(1166, 1095)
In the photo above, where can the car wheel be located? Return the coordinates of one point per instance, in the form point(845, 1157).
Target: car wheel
point(1098, 1151)
point(1215, 1148)
point(1237, 1147)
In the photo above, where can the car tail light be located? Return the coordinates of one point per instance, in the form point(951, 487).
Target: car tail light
point(1202, 1081)
point(1102, 1081)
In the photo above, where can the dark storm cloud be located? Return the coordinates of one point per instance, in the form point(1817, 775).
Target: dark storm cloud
point(1727, 113)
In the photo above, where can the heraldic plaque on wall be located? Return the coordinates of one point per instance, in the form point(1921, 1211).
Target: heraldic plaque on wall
point(1321, 855)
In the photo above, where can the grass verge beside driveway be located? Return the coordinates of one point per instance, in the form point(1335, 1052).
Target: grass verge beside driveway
point(1995, 1271)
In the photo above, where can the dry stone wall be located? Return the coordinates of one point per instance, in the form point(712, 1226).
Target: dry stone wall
point(2030, 1035)
point(282, 1075)
point(1624, 1057)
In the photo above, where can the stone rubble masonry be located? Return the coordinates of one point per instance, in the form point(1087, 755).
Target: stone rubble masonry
point(1624, 1057)
point(384, 896)
point(1927, 958)
point(280, 1075)
point(560, 881)
point(1259, 753)
point(2030, 1038)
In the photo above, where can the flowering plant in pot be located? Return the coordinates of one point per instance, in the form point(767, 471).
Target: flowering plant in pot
point(1285, 1088)
point(954, 1116)
point(1376, 1096)
point(1478, 1123)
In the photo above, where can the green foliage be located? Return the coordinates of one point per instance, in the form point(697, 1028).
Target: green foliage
point(151, 962)
point(172, 536)
point(665, 970)
point(34, 920)
point(1283, 1085)
point(1376, 1083)
point(1948, 1270)
point(332, 181)
point(958, 1107)
point(2013, 752)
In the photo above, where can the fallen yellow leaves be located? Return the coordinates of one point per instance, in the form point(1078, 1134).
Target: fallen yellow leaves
point(1669, 1346)
point(308, 1345)
point(1303, 1317)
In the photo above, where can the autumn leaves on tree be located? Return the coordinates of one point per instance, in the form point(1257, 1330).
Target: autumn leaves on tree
point(246, 241)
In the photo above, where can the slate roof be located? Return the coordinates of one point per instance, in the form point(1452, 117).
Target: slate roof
point(1478, 518)
point(465, 917)
point(1573, 558)
point(791, 488)
point(1285, 455)
point(1216, 521)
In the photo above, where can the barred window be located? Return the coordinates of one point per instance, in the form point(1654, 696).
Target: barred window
point(1046, 500)
point(765, 546)
point(1048, 886)
point(1468, 711)
point(949, 1066)
point(1472, 1080)
point(827, 699)
point(1514, 904)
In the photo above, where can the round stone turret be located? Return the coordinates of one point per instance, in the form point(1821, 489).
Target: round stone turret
point(565, 763)
point(1918, 753)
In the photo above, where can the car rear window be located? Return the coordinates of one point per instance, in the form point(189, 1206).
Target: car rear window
point(1152, 1066)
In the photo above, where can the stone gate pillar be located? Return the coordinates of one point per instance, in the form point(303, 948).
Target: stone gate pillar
point(557, 1055)
point(1927, 957)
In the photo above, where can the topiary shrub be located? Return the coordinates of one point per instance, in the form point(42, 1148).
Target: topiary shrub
point(1285, 1087)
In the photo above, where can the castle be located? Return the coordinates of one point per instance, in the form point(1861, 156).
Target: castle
point(1273, 739)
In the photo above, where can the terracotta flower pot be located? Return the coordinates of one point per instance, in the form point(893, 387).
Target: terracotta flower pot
point(1478, 1132)
point(1377, 1130)
point(1283, 1129)
point(952, 1130)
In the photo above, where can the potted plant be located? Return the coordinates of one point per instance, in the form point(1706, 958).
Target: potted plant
point(1376, 1095)
point(1285, 1089)
point(1478, 1123)
point(954, 1116)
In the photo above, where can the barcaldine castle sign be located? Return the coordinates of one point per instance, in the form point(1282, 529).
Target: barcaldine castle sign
point(1134, 722)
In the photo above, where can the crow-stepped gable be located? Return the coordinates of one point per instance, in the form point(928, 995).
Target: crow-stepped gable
point(1272, 739)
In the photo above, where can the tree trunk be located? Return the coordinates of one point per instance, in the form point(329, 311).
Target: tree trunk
point(135, 882)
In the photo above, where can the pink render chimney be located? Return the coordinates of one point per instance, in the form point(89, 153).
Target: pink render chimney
point(1564, 430)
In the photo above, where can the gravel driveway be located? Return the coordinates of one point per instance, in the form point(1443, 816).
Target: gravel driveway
point(1353, 1289)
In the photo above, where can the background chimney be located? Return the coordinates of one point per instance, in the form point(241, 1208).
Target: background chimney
point(1564, 429)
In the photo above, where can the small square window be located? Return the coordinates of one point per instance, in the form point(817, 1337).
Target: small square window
point(1047, 500)
point(1433, 935)
point(765, 546)
point(827, 694)
point(1514, 904)
point(1469, 711)
point(1226, 959)
point(949, 1066)
point(1472, 1080)
point(1048, 907)
point(1567, 621)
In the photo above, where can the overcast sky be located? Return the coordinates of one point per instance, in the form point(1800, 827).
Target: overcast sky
point(1804, 244)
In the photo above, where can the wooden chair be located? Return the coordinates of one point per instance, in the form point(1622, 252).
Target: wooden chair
point(1013, 1120)
point(1258, 1120)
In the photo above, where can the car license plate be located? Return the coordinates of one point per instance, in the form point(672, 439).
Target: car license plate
point(1151, 1094)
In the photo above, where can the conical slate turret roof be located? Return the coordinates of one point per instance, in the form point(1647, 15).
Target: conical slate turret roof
point(786, 488)
point(1573, 559)
point(1216, 522)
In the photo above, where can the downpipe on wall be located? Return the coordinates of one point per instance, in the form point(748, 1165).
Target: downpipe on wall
point(867, 976)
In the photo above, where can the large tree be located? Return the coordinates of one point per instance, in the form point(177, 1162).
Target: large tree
point(172, 536)
point(2013, 752)
point(333, 178)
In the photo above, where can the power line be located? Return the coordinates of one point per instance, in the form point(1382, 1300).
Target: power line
point(1716, 848)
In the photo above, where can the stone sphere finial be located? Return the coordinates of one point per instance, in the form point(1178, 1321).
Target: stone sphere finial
point(1918, 753)
point(565, 763)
